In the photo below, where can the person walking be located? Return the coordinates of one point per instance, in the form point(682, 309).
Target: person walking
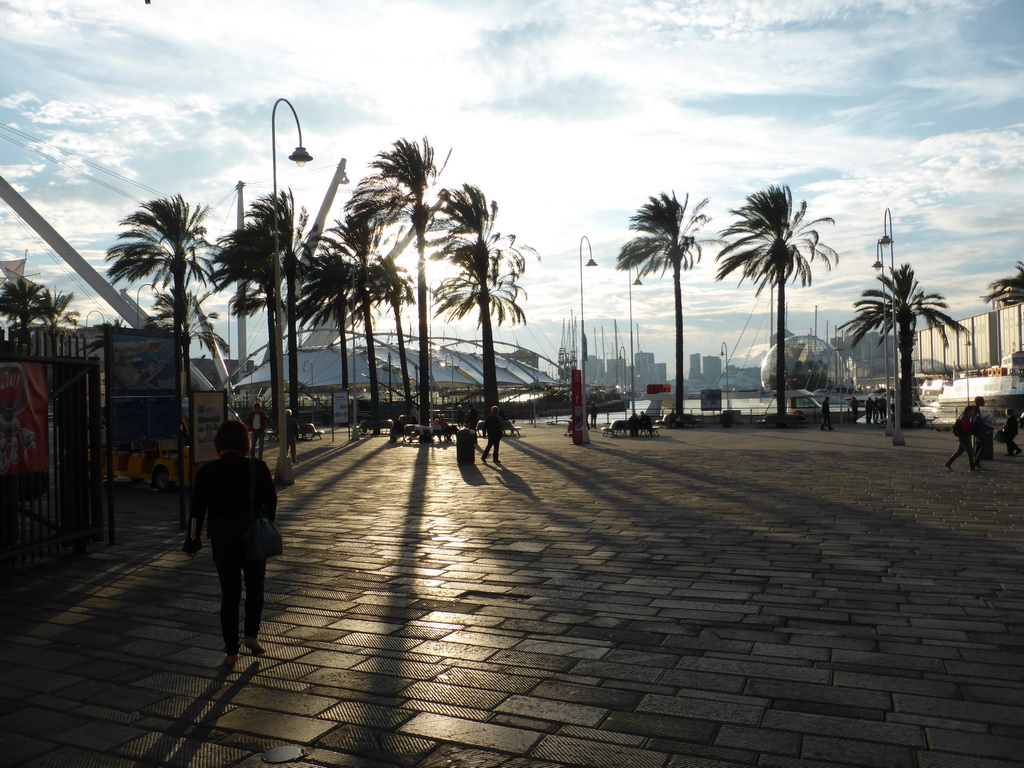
point(593, 415)
point(492, 426)
point(227, 494)
point(472, 417)
point(460, 417)
point(962, 429)
point(257, 421)
point(291, 425)
point(869, 410)
point(1009, 431)
point(854, 405)
point(826, 415)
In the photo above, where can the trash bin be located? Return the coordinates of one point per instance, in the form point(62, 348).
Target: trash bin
point(728, 417)
point(465, 446)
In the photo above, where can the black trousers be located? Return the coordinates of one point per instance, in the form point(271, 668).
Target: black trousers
point(229, 557)
point(492, 442)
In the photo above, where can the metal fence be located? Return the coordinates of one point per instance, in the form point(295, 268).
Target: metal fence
point(43, 512)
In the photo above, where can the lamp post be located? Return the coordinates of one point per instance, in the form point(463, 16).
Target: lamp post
point(625, 399)
point(451, 392)
point(725, 357)
point(391, 385)
point(887, 243)
point(353, 404)
point(138, 307)
point(90, 314)
point(632, 357)
point(879, 267)
point(283, 472)
point(583, 341)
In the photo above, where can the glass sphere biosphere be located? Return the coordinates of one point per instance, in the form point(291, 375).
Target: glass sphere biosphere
point(811, 363)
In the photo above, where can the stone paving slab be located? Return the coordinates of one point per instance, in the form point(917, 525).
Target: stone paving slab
point(713, 598)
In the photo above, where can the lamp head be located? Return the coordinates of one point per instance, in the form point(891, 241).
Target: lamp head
point(300, 156)
point(886, 241)
point(591, 263)
point(877, 266)
point(637, 282)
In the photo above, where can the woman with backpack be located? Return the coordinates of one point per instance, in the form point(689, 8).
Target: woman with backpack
point(962, 430)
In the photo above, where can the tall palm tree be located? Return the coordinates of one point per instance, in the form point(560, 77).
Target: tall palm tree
point(193, 327)
point(358, 240)
point(327, 294)
point(165, 240)
point(398, 190)
point(490, 265)
point(1009, 289)
point(246, 260)
point(19, 301)
point(396, 292)
point(667, 240)
point(775, 245)
point(54, 310)
point(898, 306)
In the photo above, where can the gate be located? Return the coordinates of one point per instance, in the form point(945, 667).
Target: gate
point(58, 503)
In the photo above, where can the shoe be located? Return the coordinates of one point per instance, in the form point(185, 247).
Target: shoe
point(831, 429)
point(483, 459)
point(496, 460)
point(254, 646)
point(230, 660)
point(948, 468)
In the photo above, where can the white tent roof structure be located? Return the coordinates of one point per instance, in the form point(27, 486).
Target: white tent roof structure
point(455, 363)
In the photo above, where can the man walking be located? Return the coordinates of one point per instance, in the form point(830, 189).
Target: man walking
point(492, 426)
point(292, 428)
point(826, 415)
point(257, 422)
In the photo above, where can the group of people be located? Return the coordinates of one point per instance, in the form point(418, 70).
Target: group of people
point(874, 408)
point(258, 422)
point(974, 433)
point(640, 423)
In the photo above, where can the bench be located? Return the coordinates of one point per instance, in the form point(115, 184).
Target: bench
point(309, 432)
point(783, 421)
point(508, 428)
point(618, 428)
point(381, 426)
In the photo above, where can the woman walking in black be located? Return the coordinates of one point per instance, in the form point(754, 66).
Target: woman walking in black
point(229, 493)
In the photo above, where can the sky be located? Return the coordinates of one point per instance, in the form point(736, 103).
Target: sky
point(569, 114)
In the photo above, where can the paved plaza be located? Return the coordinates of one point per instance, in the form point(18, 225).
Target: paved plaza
point(702, 599)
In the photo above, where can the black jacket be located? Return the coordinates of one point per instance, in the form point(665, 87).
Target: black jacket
point(221, 493)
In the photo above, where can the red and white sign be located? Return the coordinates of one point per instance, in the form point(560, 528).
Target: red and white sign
point(24, 401)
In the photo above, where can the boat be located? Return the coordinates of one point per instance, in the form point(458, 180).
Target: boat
point(1002, 386)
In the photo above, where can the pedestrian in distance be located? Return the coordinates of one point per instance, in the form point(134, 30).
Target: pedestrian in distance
point(460, 417)
point(869, 410)
point(291, 425)
point(1009, 431)
point(593, 415)
point(472, 418)
point(854, 404)
point(826, 415)
point(227, 495)
point(258, 421)
point(492, 426)
point(963, 428)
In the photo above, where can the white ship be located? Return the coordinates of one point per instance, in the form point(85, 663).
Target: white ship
point(1002, 387)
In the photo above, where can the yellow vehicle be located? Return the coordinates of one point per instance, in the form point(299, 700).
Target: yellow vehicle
point(156, 462)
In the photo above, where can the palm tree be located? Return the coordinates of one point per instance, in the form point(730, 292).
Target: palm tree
point(165, 240)
point(397, 191)
point(54, 310)
point(396, 292)
point(19, 301)
point(490, 265)
point(904, 301)
point(668, 239)
point(775, 245)
point(1008, 290)
point(327, 294)
point(357, 240)
point(246, 260)
point(193, 328)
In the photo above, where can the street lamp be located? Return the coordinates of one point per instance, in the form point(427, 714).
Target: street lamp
point(138, 307)
point(725, 357)
point(887, 243)
point(632, 357)
point(879, 266)
point(283, 472)
point(625, 399)
point(90, 314)
point(583, 340)
point(391, 385)
point(451, 393)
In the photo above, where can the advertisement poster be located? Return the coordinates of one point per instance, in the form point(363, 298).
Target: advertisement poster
point(711, 399)
point(141, 363)
point(24, 436)
point(340, 408)
point(209, 410)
